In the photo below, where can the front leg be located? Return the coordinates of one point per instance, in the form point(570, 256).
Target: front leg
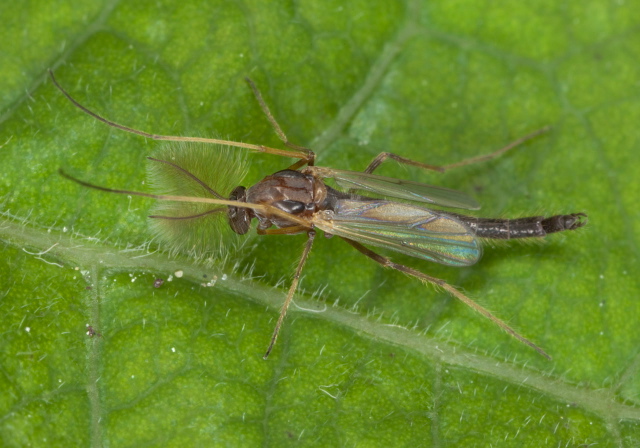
point(292, 289)
point(310, 156)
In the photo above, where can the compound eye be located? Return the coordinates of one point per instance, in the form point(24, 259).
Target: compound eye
point(239, 217)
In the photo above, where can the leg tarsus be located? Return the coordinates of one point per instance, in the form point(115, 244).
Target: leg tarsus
point(499, 152)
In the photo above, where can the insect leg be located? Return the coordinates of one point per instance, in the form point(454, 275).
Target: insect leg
point(292, 289)
point(499, 152)
point(383, 156)
point(283, 231)
point(199, 215)
point(387, 263)
point(298, 154)
point(310, 159)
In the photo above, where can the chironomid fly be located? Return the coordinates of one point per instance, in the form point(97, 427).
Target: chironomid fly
point(298, 201)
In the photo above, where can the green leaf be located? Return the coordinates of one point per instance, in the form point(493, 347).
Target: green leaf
point(367, 356)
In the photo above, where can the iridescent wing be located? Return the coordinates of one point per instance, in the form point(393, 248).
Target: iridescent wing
point(398, 188)
point(404, 228)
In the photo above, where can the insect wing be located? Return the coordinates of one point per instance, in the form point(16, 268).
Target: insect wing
point(404, 228)
point(399, 188)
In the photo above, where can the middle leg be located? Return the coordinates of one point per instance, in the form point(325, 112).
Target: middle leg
point(383, 156)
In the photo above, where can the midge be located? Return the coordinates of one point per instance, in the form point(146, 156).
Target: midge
point(297, 200)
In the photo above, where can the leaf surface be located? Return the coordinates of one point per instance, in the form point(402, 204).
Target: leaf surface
point(367, 357)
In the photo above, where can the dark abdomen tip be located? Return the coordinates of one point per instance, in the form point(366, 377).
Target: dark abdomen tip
point(560, 223)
